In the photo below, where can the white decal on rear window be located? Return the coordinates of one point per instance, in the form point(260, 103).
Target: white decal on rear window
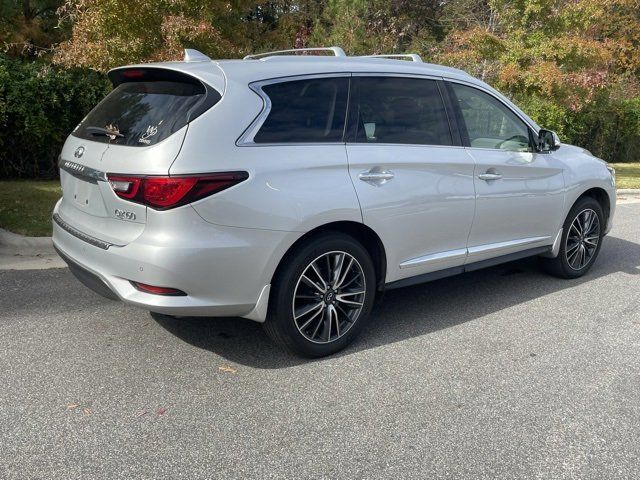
point(150, 132)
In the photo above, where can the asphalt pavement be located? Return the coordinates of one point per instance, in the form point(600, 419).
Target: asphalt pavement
point(500, 373)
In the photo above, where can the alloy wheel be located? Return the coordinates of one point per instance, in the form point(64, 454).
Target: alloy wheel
point(329, 297)
point(582, 239)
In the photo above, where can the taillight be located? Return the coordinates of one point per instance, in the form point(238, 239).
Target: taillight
point(164, 192)
point(125, 187)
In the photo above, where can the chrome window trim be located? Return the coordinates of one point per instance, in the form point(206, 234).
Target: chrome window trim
point(498, 150)
point(397, 74)
point(420, 145)
point(247, 137)
point(289, 144)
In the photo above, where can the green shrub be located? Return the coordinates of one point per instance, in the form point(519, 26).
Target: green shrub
point(609, 127)
point(550, 115)
point(40, 105)
point(612, 129)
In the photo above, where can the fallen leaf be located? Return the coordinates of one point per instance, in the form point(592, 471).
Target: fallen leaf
point(71, 406)
point(226, 368)
point(161, 411)
point(143, 412)
point(86, 411)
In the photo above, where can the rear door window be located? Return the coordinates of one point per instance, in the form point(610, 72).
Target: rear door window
point(305, 111)
point(139, 114)
point(400, 110)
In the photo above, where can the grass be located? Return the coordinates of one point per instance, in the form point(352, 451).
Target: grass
point(627, 175)
point(26, 206)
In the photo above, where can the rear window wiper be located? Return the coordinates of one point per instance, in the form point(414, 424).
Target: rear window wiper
point(107, 132)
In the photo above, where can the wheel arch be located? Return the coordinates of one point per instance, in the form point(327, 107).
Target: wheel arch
point(360, 232)
point(601, 196)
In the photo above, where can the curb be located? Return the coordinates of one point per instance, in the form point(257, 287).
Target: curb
point(13, 243)
point(628, 191)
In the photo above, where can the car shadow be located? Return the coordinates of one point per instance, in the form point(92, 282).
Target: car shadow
point(408, 312)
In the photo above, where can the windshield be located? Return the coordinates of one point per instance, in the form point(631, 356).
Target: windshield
point(141, 113)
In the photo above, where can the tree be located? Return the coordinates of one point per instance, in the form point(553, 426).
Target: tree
point(568, 63)
point(107, 33)
point(364, 27)
point(28, 28)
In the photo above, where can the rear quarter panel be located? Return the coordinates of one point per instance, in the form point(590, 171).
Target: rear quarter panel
point(291, 187)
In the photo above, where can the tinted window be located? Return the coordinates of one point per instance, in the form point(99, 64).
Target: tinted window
point(400, 110)
point(489, 123)
point(305, 111)
point(144, 112)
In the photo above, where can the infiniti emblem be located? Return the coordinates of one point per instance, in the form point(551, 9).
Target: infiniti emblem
point(79, 152)
point(330, 297)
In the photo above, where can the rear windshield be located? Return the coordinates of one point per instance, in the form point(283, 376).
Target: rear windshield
point(139, 114)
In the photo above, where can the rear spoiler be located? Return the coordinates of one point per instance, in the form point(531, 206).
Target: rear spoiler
point(149, 74)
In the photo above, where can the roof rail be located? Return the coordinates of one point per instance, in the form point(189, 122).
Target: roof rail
point(414, 57)
point(337, 52)
point(191, 55)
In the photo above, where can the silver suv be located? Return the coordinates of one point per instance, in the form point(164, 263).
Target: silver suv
point(291, 189)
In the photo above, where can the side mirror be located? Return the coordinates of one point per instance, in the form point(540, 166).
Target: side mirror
point(548, 141)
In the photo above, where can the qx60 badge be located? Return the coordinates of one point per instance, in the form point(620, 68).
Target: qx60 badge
point(124, 215)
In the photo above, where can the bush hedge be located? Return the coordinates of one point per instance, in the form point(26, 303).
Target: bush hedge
point(40, 105)
point(609, 127)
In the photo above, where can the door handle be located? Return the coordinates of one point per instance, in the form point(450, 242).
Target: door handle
point(376, 176)
point(490, 176)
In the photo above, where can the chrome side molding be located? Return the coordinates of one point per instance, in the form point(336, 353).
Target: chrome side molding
point(434, 258)
point(506, 245)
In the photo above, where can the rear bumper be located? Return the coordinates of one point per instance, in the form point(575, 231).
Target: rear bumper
point(88, 279)
point(223, 270)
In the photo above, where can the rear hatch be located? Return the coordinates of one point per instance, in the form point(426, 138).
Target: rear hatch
point(138, 129)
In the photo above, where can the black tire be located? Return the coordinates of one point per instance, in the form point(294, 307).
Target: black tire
point(566, 265)
point(322, 250)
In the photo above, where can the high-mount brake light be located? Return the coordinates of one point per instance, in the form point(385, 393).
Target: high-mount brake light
point(165, 192)
point(133, 73)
